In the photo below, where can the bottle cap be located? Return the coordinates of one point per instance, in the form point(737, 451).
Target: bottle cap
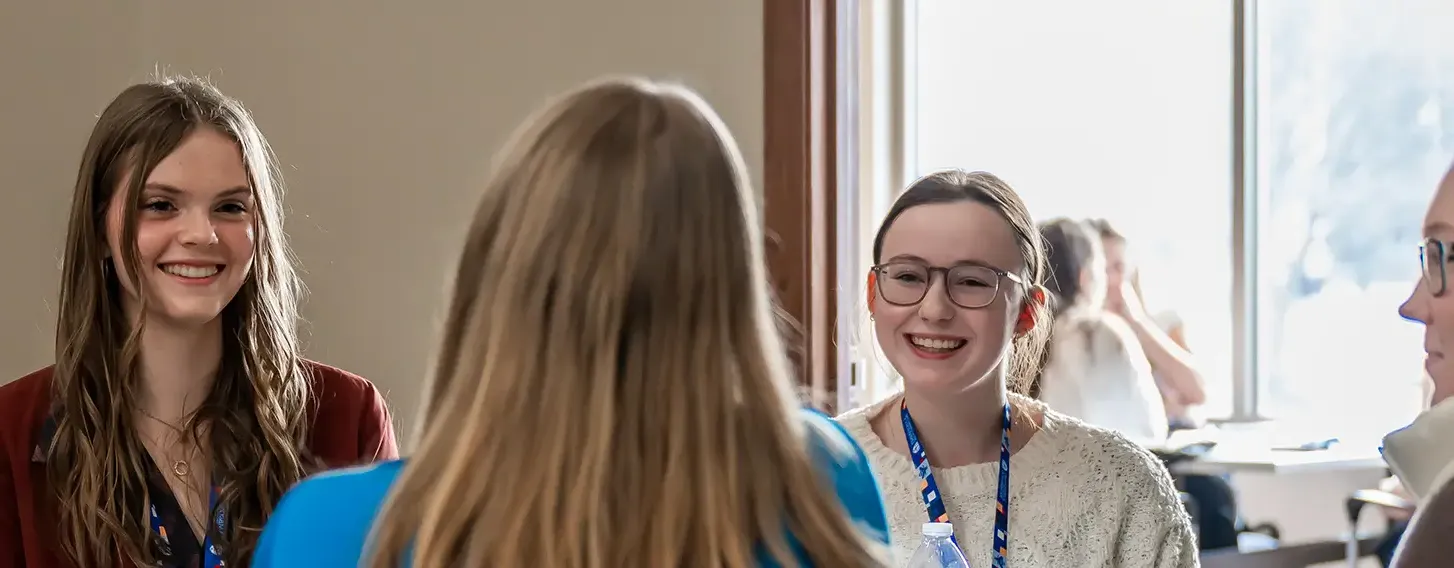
point(938, 529)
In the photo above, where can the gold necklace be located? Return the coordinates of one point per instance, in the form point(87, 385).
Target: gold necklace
point(180, 468)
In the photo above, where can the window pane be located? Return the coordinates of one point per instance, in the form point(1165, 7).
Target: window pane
point(1107, 109)
point(1355, 126)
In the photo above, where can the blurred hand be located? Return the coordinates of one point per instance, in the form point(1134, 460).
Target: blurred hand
point(1125, 302)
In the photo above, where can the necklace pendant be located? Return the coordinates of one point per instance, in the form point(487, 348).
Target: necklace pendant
point(181, 468)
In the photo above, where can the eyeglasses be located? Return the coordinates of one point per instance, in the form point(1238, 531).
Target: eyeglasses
point(968, 286)
point(1434, 259)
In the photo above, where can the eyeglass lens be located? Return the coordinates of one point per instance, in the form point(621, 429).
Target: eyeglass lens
point(1434, 258)
point(968, 286)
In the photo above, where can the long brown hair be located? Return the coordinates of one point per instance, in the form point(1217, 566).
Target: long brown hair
point(612, 389)
point(254, 417)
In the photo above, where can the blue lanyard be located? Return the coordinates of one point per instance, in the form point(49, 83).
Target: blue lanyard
point(211, 557)
point(934, 503)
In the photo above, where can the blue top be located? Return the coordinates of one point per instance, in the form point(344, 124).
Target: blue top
point(324, 521)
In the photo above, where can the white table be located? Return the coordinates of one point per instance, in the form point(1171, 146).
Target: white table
point(1267, 449)
point(1231, 458)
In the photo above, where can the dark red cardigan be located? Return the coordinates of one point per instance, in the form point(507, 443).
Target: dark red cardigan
point(351, 425)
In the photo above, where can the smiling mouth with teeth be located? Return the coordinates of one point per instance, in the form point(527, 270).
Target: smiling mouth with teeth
point(192, 271)
point(934, 345)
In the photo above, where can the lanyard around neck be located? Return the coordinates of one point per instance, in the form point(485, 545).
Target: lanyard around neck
point(211, 557)
point(934, 502)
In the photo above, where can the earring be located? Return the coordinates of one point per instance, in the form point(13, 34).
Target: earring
point(1026, 321)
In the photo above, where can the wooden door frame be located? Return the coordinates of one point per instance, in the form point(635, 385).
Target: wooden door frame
point(800, 186)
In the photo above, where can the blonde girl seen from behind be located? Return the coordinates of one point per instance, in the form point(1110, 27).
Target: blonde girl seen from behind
point(611, 388)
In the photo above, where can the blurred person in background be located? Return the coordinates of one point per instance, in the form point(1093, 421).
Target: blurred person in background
point(1099, 364)
point(1094, 369)
point(1162, 334)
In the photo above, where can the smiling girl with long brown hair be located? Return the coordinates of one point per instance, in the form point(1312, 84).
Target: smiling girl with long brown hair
point(179, 408)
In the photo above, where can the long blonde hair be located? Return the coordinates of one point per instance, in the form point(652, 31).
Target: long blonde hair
point(612, 389)
point(254, 417)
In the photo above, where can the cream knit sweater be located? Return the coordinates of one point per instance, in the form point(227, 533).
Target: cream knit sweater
point(1080, 497)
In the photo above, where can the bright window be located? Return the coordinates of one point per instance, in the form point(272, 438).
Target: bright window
point(1355, 125)
point(1125, 110)
point(1108, 109)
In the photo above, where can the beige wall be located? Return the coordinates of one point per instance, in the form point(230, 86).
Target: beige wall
point(382, 113)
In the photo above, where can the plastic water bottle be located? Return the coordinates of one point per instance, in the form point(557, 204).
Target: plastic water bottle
point(937, 551)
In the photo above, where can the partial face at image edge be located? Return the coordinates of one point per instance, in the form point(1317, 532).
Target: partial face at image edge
point(1431, 303)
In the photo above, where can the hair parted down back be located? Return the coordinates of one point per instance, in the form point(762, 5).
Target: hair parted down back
point(611, 388)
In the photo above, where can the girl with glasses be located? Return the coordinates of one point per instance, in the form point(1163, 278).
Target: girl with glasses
point(958, 308)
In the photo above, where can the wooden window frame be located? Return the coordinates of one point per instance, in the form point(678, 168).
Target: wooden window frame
point(800, 185)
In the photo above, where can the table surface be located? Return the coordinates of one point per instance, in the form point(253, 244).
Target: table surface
point(1260, 449)
point(1248, 458)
